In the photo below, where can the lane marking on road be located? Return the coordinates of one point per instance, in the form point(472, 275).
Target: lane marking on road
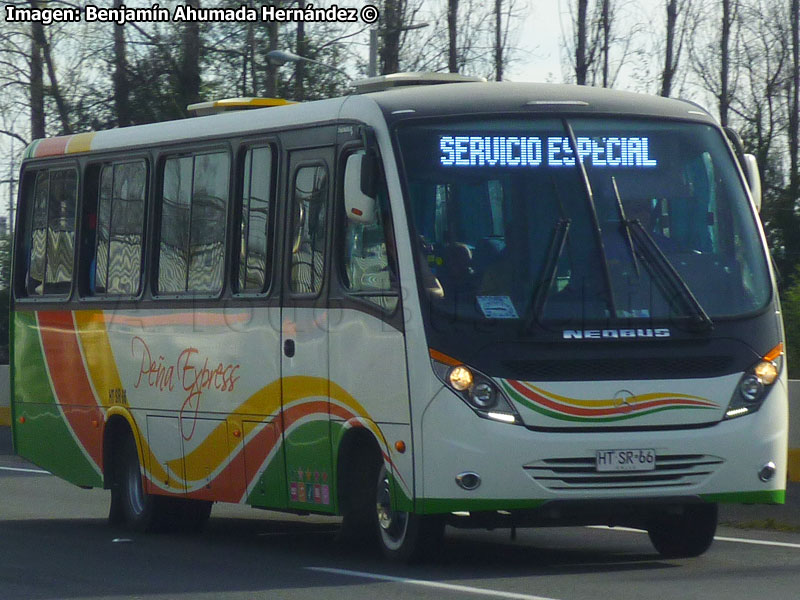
point(464, 589)
point(719, 538)
point(20, 470)
point(756, 542)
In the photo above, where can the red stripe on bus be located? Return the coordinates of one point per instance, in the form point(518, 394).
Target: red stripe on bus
point(70, 383)
point(578, 411)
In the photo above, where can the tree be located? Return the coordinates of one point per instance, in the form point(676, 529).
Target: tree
point(598, 53)
point(121, 84)
point(5, 295)
point(584, 52)
point(452, 35)
point(498, 40)
point(794, 105)
point(790, 305)
point(36, 85)
point(680, 24)
point(728, 15)
point(604, 30)
point(393, 22)
point(188, 75)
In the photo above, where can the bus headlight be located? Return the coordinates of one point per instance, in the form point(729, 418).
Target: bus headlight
point(755, 383)
point(479, 392)
point(460, 378)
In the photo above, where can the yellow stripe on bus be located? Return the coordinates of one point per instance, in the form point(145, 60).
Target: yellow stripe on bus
point(81, 142)
point(91, 327)
point(99, 356)
point(214, 449)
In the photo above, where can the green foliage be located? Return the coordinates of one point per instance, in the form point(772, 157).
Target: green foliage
point(5, 289)
point(790, 302)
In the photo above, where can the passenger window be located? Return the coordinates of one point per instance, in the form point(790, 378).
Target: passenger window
point(367, 252)
point(309, 207)
point(193, 216)
point(255, 237)
point(52, 233)
point(120, 223)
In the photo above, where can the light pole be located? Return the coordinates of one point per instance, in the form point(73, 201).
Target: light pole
point(281, 57)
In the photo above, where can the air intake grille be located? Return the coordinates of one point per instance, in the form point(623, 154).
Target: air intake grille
point(580, 474)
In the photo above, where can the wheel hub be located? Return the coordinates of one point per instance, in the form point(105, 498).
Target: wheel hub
point(393, 523)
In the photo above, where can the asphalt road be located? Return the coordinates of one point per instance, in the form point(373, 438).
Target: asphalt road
point(55, 544)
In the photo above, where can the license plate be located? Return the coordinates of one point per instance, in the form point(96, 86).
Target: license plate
point(631, 459)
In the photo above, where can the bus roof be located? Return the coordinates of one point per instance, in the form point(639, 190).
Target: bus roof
point(456, 99)
point(530, 98)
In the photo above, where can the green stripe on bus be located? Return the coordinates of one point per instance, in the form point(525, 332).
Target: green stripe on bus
point(760, 497)
point(30, 150)
point(44, 437)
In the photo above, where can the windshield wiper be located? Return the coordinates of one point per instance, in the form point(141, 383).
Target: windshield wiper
point(598, 233)
point(661, 268)
point(623, 223)
point(542, 289)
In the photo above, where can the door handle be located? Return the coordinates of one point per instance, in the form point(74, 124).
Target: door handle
point(288, 348)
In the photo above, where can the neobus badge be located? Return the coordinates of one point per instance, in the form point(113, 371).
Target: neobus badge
point(522, 151)
point(599, 334)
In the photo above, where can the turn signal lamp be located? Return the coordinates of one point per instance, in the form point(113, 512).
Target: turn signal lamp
point(755, 383)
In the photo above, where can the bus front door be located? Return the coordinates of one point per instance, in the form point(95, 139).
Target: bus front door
point(304, 332)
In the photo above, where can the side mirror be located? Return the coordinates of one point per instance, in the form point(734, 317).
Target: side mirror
point(753, 179)
point(359, 173)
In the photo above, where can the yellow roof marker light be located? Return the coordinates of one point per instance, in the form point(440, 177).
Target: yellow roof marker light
point(213, 107)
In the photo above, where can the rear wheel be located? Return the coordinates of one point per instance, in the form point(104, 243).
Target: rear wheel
point(685, 533)
point(131, 505)
point(137, 510)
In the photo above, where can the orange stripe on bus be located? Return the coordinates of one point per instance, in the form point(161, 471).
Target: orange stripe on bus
point(209, 319)
point(443, 358)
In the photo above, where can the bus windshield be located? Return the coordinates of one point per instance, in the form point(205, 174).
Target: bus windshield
point(652, 223)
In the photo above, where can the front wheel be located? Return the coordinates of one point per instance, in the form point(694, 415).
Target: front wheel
point(686, 533)
point(402, 536)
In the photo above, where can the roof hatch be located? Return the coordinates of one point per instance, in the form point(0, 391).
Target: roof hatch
point(213, 107)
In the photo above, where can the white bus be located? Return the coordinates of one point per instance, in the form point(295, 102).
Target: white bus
point(469, 304)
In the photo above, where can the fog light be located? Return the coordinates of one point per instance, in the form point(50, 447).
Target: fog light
point(468, 480)
point(767, 472)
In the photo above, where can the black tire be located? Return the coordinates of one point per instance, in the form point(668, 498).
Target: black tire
point(135, 509)
point(131, 505)
point(357, 504)
point(401, 536)
point(686, 533)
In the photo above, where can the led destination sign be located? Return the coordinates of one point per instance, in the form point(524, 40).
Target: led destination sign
point(520, 151)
